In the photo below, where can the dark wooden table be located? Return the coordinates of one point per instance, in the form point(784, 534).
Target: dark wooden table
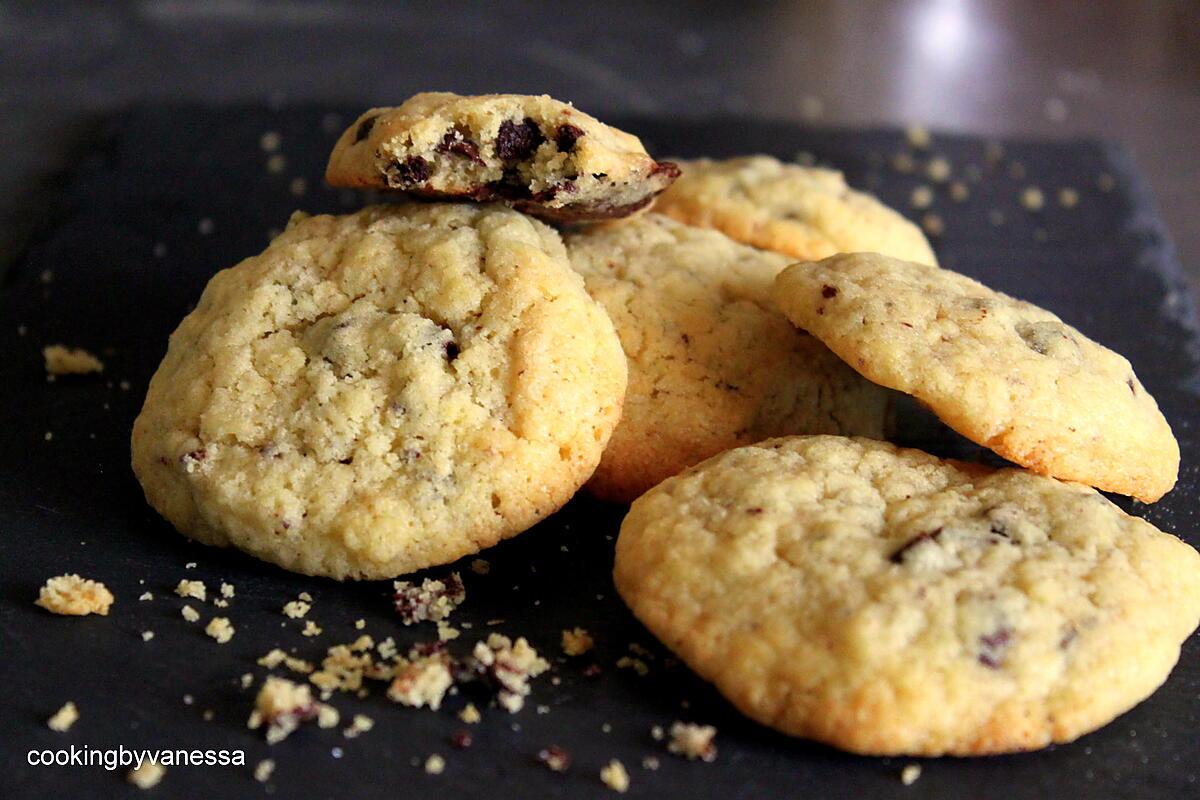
point(1126, 70)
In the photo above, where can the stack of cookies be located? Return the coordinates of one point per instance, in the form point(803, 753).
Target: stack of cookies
point(393, 389)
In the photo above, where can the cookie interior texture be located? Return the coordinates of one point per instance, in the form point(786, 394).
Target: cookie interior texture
point(382, 391)
point(540, 155)
point(1006, 374)
point(712, 363)
point(887, 602)
point(802, 212)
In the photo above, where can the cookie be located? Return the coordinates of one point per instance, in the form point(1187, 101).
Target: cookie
point(887, 602)
point(712, 363)
point(802, 212)
point(539, 155)
point(381, 392)
point(1004, 373)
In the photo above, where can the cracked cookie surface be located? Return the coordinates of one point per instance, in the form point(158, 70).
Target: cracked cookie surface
point(1006, 374)
point(540, 155)
point(712, 363)
point(802, 212)
point(383, 391)
point(885, 601)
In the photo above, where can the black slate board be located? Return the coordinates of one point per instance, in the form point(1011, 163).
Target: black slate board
point(127, 259)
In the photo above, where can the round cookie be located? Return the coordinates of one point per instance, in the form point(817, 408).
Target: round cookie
point(540, 155)
point(887, 602)
point(712, 363)
point(803, 212)
point(381, 392)
point(1004, 373)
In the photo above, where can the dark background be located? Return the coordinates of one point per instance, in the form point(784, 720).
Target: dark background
point(128, 259)
point(1127, 70)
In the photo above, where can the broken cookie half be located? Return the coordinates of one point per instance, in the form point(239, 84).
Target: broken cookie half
point(537, 154)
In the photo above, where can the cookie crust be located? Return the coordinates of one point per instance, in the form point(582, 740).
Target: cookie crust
point(1006, 374)
point(381, 392)
point(887, 602)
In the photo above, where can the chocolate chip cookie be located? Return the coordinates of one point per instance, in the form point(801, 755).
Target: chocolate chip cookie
point(803, 212)
point(381, 392)
point(537, 154)
point(712, 363)
point(885, 601)
point(1004, 373)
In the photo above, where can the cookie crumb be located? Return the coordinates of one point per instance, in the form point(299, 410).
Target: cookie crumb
point(62, 360)
point(194, 589)
point(921, 197)
point(281, 705)
point(146, 776)
point(446, 633)
point(959, 192)
point(480, 566)
point(72, 595)
point(509, 665)
point(470, 714)
point(270, 141)
point(918, 136)
point(205, 226)
point(276, 164)
point(1032, 198)
point(64, 718)
point(145, 596)
point(359, 725)
point(933, 224)
point(577, 641)
point(359, 624)
point(296, 609)
point(227, 590)
point(311, 628)
point(189, 613)
point(263, 770)
point(433, 600)
point(298, 187)
point(461, 739)
point(1068, 197)
point(938, 169)
point(650, 762)
point(903, 163)
point(693, 741)
point(435, 765)
point(327, 717)
point(656, 733)
point(220, 629)
point(615, 777)
point(554, 758)
point(147, 635)
point(424, 682)
point(910, 774)
point(636, 664)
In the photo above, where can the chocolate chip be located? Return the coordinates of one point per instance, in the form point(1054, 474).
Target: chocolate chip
point(1132, 386)
point(195, 455)
point(349, 460)
point(452, 351)
point(1068, 637)
point(411, 171)
point(828, 291)
point(566, 136)
point(668, 168)
point(461, 739)
point(993, 646)
point(364, 128)
point(685, 339)
point(516, 141)
point(754, 510)
point(454, 142)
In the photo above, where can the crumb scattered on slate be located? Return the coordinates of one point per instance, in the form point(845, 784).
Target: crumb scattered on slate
point(64, 718)
point(146, 776)
point(62, 360)
point(74, 596)
point(615, 777)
